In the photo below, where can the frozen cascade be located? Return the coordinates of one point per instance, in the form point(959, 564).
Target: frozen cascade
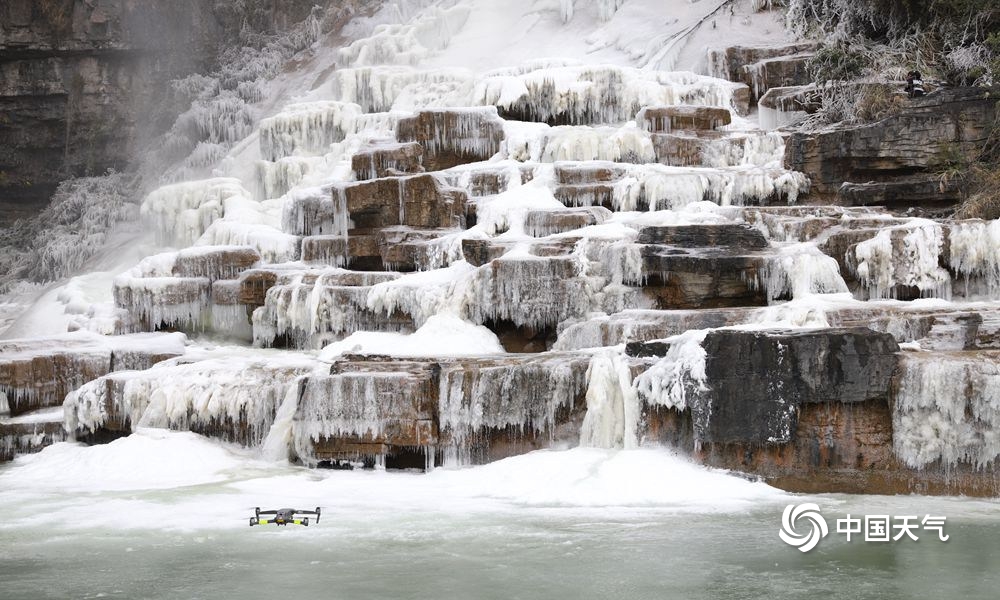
point(659, 187)
point(906, 255)
point(475, 133)
point(175, 288)
point(499, 394)
point(529, 291)
point(386, 88)
point(752, 149)
point(674, 379)
point(800, 270)
point(306, 129)
point(975, 254)
point(612, 419)
point(407, 43)
point(312, 309)
point(351, 404)
point(273, 245)
point(947, 409)
point(274, 179)
point(316, 211)
point(574, 143)
point(422, 295)
point(177, 302)
point(181, 212)
point(277, 443)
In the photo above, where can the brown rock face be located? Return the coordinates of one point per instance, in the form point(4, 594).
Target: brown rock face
point(481, 408)
point(453, 137)
point(837, 448)
point(387, 159)
point(730, 62)
point(25, 438)
point(822, 410)
point(38, 373)
point(903, 146)
point(665, 119)
point(417, 201)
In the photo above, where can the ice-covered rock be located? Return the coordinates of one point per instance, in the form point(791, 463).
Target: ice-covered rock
point(387, 158)
point(234, 398)
point(30, 432)
point(946, 409)
point(589, 95)
point(453, 136)
point(181, 212)
point(39, 372)
point(306, 129)
point(309, 309)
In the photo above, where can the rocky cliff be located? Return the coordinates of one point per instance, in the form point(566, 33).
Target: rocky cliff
point(84, 82)
point(896, 161)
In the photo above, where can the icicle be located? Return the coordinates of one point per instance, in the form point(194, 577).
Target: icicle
point(386, 88)
point(672, 379)
point(493, 395)
point(307, 128)
point(612, 419)
point(975, 255)
point(529, 291)
point(905, 255)
point(312, 313)
point(566, 10)
point(947, 409)
point(422, 295)
point(800, 270)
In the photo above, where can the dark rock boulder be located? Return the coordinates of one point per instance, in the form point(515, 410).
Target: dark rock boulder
point(921, 190)
point(731, 236)
point(758, 380)
point(677, 279)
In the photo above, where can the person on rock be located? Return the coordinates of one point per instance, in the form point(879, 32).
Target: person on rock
point(914, 84)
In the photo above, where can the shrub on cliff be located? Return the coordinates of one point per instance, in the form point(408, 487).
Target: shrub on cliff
point(961, 33)
point(870, 45)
